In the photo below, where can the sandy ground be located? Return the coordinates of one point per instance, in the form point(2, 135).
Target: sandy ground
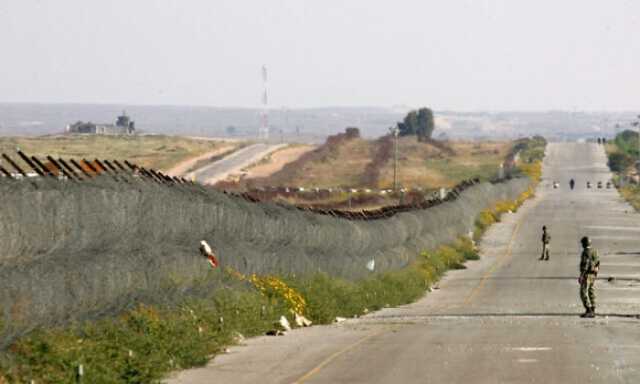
point(277, 160)
point(181, 168)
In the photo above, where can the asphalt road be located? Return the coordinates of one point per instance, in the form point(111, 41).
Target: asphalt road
point(219, 170)
point(507, 318)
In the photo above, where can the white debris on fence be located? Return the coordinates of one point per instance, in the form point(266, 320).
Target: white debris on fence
point(371, 265)
point(205, 250)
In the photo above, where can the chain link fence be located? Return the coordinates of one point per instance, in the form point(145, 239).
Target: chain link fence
point(72, 251)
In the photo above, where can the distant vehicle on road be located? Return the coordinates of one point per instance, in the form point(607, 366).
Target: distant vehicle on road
point(556, 185)
point(588, 184)
point(599, 184)
point(608, 184)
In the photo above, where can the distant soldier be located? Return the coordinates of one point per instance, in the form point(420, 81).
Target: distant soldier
point(546, 239)
point(589, 266)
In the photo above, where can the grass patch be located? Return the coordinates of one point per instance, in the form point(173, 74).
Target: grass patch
point(631, 193)
point(328, 297)
point(424, 165)
point(156, 151)
point(345, 163)
point(143, 345)
point(456, 172)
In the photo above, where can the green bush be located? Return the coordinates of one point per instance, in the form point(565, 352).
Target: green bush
point(530, 149)
point(627, 143)
point(619, 162)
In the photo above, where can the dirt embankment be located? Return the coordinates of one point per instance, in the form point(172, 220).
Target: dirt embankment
point(383, 154)
point(277, 160)
point(293, 172)
point(348, 161)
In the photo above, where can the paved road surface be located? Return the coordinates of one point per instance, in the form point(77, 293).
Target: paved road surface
point(214, 172)
point(508, 318)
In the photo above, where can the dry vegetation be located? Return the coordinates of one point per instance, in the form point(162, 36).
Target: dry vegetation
point(344, 166)
point(159, 152)
point(278, 159)
point(348, 163)
point(424, 165)
point(340, 162)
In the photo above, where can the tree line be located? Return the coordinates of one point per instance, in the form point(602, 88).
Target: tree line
point(419, 123)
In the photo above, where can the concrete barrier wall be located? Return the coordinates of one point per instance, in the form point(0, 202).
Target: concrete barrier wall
point(71, 251)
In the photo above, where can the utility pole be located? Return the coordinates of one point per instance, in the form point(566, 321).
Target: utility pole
point(394, 131)
point(636, 124)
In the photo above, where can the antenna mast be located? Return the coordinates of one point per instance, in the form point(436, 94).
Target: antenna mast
point(264, 114)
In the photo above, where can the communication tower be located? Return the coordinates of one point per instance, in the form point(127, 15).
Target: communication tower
point(264, 114)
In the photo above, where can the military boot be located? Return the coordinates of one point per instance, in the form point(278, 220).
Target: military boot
point(589, 314)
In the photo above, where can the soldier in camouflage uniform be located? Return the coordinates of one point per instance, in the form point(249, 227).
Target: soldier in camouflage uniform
point(546, 239)
point(589, 266)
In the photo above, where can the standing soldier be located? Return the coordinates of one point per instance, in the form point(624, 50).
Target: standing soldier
point(546, 239)
point(589, 266)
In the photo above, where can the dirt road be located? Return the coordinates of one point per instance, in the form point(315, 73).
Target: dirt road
point(219, 170)
point(278, 160)
point(182, 167)
point(507, 318)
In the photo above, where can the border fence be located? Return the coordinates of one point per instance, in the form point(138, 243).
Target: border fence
point(94, 242)
point(80, 170)
point(372, 214)
point(83, 169)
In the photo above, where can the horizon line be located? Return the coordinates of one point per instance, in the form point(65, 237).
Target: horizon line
point(351, 106)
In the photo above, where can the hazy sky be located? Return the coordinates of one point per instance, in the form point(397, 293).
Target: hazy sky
point(448, 54)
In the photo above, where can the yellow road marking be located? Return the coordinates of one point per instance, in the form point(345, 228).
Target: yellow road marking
point(333, 356)
point(495, 265)
point(473, 293)
point(500, 259)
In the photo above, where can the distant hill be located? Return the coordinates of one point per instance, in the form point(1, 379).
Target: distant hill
point(305, 125)
point(308, 125)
